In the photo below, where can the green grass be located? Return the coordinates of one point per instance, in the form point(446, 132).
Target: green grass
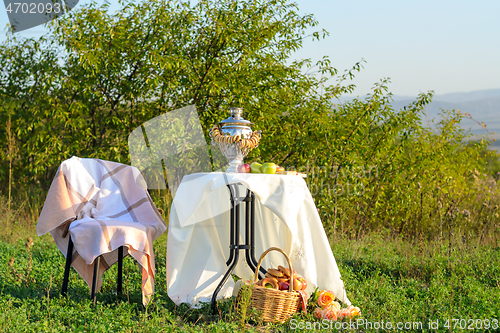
point(400, 282)
point(390, 280)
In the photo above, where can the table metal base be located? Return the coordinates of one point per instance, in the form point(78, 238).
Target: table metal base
point(234, 237)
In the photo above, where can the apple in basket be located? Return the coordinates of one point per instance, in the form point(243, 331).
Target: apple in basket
point(303, 281)
point(284, 285)
point(297, 285)
point(244, 168)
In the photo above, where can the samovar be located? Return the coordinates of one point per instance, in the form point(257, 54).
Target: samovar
point(235, 138)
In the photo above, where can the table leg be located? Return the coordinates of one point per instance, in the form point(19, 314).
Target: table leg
point(250, 233)
point(231, 228)
point(234, 241)
point(234, 237)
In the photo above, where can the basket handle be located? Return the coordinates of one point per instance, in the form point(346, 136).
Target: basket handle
point(290, 288)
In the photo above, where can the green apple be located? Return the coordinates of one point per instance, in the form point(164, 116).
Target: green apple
point(255, 167)
point(269, 168)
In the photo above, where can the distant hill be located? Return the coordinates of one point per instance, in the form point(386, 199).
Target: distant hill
point(468, 96)
point(483, 105)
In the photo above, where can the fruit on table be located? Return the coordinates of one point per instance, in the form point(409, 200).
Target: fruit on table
point(269, 168)
point(244, 168)
point(280, 169)
point(255, 167)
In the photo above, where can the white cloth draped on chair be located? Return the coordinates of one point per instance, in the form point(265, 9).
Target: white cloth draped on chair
point(103, 205)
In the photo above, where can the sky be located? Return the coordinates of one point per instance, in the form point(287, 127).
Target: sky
point(441, 45)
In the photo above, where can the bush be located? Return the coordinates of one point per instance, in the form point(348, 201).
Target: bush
point(82, 88)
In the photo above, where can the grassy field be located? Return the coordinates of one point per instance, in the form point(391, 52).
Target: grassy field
point(391, 280)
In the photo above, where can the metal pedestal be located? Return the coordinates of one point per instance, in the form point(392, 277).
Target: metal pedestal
point(234, 237)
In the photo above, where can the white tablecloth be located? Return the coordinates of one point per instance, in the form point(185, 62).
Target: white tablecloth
point(285, 217)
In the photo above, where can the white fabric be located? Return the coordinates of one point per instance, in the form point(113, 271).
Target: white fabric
point(286, 217)
point(112, 208)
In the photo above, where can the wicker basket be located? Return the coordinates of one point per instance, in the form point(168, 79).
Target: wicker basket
point(271, 304)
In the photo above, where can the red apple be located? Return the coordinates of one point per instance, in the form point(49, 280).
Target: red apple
point(244, 168)
point(303, 281)
point(284, 285)
point(297, 285)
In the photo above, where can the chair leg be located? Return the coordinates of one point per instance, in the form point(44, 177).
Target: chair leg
point(120, 269)
point(67, 267)
point(97, 261)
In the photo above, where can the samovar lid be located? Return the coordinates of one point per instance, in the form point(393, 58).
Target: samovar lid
point(235, 118)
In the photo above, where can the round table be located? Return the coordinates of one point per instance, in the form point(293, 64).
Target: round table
point(199, 235)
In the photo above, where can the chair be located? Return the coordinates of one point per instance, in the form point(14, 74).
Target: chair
point(97, 262)
point(99, 212)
